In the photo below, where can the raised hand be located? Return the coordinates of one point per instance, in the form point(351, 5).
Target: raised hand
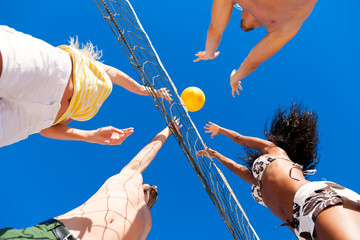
point(163, 93)
point(206, 151)
point(110, 135)
point(177, 126)
point(235, 84)
point(204, 56)
point(212, 128)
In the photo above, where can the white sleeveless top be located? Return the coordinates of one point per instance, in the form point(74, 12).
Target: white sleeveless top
point(32, 83)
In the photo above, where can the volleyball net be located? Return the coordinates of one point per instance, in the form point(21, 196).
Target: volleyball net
point(137, 46)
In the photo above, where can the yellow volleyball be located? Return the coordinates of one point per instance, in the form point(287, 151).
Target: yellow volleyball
point(194, 98)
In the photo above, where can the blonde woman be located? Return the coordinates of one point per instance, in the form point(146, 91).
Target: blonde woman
point(43, 88)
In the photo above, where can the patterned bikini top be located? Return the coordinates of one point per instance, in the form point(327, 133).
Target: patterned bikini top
point(258, 169)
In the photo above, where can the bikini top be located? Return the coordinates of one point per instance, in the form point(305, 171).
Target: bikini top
point(258, 169)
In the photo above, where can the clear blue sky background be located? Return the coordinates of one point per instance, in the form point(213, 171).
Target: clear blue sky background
point(42, 178)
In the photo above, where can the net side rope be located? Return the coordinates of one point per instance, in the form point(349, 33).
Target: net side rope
point(233, 222)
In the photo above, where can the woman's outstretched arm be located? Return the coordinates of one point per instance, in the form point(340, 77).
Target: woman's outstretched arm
point(236, 168)
point(122, 79)
point(105, 135)
point(261, 145)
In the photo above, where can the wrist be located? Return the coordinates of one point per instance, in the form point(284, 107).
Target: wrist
point(215, 154)
point(89, 136)
point(221, 130)
point(210, 55)
point(144, 91)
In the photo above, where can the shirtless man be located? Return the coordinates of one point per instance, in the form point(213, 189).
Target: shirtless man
point(281, 18)
point(119, 210)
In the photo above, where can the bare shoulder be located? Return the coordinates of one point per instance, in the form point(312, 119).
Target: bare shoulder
point(277, 151)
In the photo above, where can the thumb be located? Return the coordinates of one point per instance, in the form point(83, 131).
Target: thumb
point(233, 73)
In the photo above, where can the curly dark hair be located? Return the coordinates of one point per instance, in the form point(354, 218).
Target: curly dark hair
point(295, 131)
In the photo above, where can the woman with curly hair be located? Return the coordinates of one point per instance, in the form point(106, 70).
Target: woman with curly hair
point(277, 169)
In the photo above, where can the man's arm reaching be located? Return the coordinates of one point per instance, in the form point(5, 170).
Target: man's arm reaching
point(266, 48)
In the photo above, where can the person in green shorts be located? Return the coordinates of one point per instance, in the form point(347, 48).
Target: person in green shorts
point(50, 229)
point(119, 210)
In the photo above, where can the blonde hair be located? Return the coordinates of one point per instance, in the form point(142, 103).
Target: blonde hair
point(89, 50)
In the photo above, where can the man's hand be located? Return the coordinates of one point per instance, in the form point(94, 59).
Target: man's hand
point(204, 56)
point(110, 135)
point(234, 83)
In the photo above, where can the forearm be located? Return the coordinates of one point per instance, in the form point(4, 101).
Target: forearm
point(236, 168)
point(142, 160)
point(252, 142)
point(220, 16)
point(63, 132)
point(234, 136)
point(228, 163)
point(244, 70)
point(212, 42)
point(265, 49)
point(122, 79)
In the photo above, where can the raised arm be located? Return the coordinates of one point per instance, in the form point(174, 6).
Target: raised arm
point(261, 145)
point(105, 135)
point(122, 79)
point(267, 47)
point(146, 155)
point(220, 16)
point(236, 168)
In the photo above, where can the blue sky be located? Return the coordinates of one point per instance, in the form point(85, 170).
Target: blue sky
point(42, 178)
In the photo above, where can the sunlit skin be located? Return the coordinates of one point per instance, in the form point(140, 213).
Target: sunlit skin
point(119, 210)
point(281, 18)
point(108, 135)
point(279, 183)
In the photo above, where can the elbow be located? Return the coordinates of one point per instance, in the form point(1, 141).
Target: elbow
point(238, 139)
point(44, 132)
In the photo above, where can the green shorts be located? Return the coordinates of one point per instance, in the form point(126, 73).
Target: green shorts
point(39, 232)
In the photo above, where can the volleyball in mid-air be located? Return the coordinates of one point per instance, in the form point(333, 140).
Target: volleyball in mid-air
point(194, 98)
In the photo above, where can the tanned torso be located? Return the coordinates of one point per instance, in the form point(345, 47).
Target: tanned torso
point(280, 181)
point(273, 14)
point(124, 216)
